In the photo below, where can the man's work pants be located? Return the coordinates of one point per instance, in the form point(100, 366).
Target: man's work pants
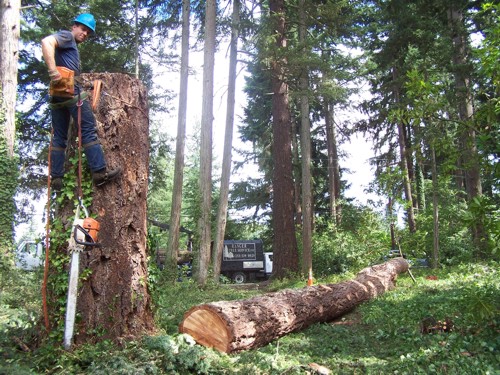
point(60, 122)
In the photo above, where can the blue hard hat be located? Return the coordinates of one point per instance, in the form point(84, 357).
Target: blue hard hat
point(86, 19)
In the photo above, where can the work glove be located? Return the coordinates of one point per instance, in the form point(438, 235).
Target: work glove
point(55, 75)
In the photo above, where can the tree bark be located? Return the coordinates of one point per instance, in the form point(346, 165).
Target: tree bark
point(114, 299)
point(463, 90)
point(305, 147)
point(9, 56)
point(228, 143)
point(296, 171)
point(333, 163)
point(284, 241)
point(404, 163)
point(175, 213)
point(435, 211)
point(136, 40)
point(205, 225)
point(231, 326)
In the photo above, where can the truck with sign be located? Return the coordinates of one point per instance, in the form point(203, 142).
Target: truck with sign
point(244, 261)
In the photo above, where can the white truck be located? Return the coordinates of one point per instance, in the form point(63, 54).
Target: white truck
point(244, 261)
point(30, 255)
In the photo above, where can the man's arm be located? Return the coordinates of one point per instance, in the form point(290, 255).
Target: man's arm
point(49, 45)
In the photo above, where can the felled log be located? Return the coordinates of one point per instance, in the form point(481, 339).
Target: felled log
point(231, 326)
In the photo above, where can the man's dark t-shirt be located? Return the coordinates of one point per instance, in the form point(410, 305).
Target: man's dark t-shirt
point(67, 54)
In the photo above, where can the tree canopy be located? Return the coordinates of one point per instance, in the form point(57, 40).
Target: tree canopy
point(431, 115)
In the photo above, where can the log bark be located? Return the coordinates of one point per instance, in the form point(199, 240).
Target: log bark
point(114, 299)
point(231, 326)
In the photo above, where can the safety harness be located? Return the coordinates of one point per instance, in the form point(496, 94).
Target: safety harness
point(70, 102)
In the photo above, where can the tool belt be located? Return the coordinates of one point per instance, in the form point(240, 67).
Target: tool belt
point(64, 87)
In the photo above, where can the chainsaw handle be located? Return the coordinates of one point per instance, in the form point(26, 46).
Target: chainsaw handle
point(87, 236)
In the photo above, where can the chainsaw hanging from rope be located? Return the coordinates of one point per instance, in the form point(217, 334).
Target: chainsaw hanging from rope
point(84, 235)
point(85, 231)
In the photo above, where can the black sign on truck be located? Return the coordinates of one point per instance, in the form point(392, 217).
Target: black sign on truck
point(238, 251)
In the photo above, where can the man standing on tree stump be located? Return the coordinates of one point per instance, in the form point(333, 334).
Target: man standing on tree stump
point(61, 55)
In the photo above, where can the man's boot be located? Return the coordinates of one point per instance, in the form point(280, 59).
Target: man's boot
point(104, 176)
point(56, 184)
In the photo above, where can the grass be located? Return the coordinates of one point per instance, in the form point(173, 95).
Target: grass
point(383, 336)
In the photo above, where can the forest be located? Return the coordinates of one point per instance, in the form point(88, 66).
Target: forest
point(419, 80)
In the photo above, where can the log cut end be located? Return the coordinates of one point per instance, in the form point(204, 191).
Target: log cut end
point(207, 328)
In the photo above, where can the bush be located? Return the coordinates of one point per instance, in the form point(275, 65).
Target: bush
point(339, 251)
point(19, 317)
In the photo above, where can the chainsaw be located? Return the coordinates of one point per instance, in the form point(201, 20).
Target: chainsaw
point(84, 236)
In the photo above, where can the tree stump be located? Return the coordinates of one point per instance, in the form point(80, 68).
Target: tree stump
point(113, 301)
point(231, 326)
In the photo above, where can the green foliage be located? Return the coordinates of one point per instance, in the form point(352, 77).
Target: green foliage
point(19, 316)
point(483, 210)
point(468, 295)
point(455, 219)
point(488, 52)
point(8, 185)
point(381, 336)
point(339, 250)
point(488, 107)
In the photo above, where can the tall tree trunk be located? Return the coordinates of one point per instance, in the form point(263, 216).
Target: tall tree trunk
point(305, 146)
point(419, 179)
point(284, 241)
point(228, 143)
point(392, 219)
point(136, 39)
point(435, 212)
point(469, 153)
point(333, 163)
point(296, 172)
point(176, 209)
point(114, 298)
point(205, 225)
point(406, 180)
point(409, 161)
point(9, 56)
point(404, 163)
